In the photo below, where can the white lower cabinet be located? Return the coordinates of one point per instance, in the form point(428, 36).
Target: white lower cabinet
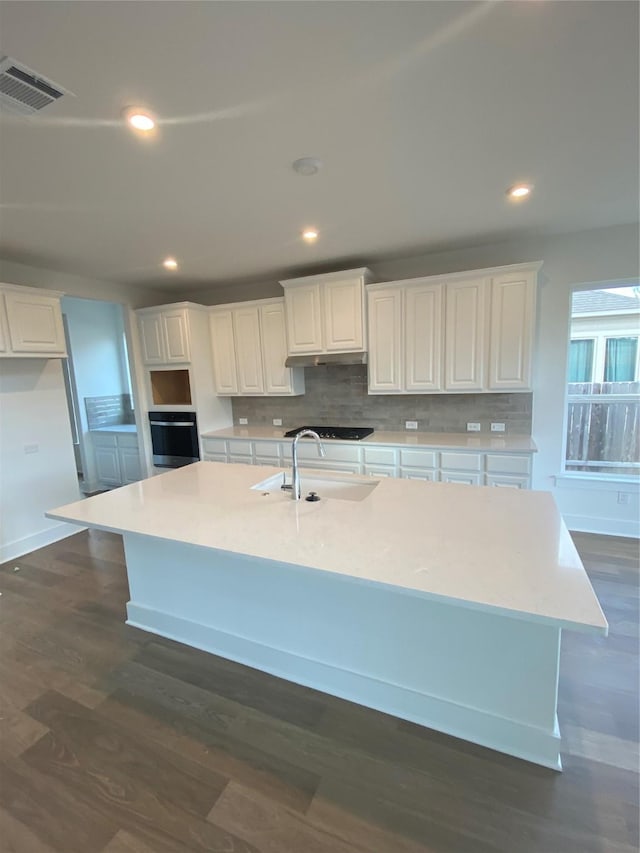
point(117, 458)
point(508, 470)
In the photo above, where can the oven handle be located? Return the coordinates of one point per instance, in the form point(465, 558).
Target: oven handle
point(172, 423)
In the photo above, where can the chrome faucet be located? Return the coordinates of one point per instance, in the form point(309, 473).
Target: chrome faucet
point(295, 472)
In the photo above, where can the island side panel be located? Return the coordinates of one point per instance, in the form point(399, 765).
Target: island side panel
point(477, 675)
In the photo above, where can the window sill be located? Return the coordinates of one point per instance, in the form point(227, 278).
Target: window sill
point(599, 482)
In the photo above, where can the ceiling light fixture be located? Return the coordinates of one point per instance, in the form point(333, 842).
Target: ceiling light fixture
point(170, 264)
point(519, 191)
point(310, 235)
point(139, 119)
point(307, 166)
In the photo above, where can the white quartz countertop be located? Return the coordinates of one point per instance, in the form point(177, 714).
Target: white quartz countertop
point(488, 549)
point(128, 428)
point(443, 440)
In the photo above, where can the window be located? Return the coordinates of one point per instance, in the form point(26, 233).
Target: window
point(581, 360)
point(603, 417)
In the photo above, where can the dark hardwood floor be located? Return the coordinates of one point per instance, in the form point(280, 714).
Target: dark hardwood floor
point(115, 741)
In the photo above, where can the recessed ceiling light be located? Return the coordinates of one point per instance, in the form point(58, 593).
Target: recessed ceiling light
point(170, 264)
point(310, 235)
point(139, 119)
point(519, 191)
point(307, 166)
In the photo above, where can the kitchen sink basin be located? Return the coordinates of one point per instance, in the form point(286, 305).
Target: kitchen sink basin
point(343, 487)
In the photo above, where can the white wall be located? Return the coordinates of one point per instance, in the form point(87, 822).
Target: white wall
point(33, 412)
point(96, 332)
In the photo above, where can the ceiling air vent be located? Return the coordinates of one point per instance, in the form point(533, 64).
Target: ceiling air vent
point(23, 91)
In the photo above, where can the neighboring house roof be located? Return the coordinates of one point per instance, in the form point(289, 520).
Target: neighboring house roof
point(601, 301)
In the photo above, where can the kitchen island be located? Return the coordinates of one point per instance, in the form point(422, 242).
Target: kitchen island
point(437, 603)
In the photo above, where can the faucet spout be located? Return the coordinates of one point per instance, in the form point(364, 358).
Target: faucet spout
point(295, 471)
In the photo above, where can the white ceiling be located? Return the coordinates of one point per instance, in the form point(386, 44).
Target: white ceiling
point(422, 112)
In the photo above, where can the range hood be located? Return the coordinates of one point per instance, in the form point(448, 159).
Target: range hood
point(318, 359)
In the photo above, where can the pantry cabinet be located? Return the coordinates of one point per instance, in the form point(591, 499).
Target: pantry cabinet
point(248, 343)
point(467, 332)
point(164, 334)
point(326, 313)
point(30, 323)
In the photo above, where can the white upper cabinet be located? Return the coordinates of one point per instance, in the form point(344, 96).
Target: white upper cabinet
point(246, 323)
point(405, 337)
point(278, 379)
point(325, 313)
point(164, 335)
point(223, 350)
point(30, 323)
point(457, 333)
point(248, 343)
point(385, 340)
point(423, 337)
point(513, 297)
point(465, 334)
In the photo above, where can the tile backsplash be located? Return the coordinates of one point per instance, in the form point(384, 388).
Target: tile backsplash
point(109, 411)
point(338, 395)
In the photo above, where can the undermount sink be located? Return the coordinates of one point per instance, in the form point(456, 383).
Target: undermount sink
point(344, 487)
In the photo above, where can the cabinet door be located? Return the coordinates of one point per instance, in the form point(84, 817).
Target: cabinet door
point(458, 477)
point(223, 349)
point(423, 338)
point(465, 335)
point(428, 474)
point(385, 340)
point(246, 325)
point(277, 377)
point(511, 335)
point(176, 331)
point(343, 315)
point(151, 338)
point(304, 320)
point(4, 334)
point(35, 323)
point(129, 460)
point(508, 481)
point(107, 464)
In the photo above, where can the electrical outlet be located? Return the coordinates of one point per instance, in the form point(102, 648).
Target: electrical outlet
point(623, 498)
point(473, 427)
point(31, 448)
point(411, 424)
point(497, 427)
point(277, 421)
point(243, 421)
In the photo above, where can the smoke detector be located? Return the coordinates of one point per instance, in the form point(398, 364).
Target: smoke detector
point(24, 91)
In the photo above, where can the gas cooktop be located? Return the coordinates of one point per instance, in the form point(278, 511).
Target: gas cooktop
point(345, 433)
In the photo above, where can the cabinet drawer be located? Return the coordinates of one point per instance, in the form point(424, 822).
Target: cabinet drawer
point(413, 458)
point(215, 446)
point(507, 481)
point(380, 470)
point(212, 457)
point(379, 455)
point(470, 479)
point(418, 474)
point(453, 461)
point(502, 464)
point(239, 447)
point(307, 450)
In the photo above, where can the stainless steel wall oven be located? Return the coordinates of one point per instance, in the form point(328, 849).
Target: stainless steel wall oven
point(174, 437)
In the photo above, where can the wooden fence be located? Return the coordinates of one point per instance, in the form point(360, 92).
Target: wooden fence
point(603, 427)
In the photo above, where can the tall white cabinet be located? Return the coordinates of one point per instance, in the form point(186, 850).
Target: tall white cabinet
point(249, 348)
point(326, 313)
point(461, 333)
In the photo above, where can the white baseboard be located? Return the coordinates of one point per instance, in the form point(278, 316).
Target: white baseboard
point(20, 547)
point(530, 743)
point(607, 526)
